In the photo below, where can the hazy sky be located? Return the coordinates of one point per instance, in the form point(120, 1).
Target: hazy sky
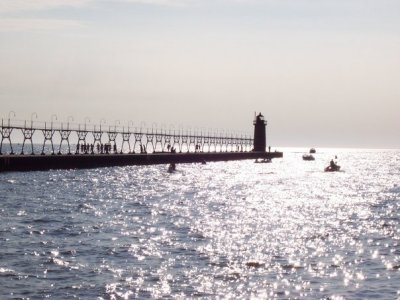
point(323, 72)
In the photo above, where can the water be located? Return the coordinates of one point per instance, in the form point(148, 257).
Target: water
point(230, 229)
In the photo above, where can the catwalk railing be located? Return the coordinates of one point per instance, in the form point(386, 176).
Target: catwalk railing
point(28, 137)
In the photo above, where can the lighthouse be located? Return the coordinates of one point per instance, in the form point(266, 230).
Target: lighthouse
point(260, 142)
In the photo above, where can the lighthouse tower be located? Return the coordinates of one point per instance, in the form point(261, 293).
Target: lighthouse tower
point(260, 142)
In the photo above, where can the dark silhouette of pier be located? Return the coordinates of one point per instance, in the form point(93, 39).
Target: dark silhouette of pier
point(70, 147)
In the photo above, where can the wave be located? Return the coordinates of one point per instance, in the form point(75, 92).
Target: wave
point(395, 189)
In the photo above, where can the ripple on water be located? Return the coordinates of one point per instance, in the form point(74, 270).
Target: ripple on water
point(235, 230)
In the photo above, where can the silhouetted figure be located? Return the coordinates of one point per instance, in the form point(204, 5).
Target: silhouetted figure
point(115, 148)
point(332, 164)
point(171, 167)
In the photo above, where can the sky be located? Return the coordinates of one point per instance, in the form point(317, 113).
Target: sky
point(324, 73)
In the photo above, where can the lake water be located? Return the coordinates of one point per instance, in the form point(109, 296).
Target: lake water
point(284, 229)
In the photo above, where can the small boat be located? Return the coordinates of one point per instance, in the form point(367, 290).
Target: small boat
point(335, 168)
point(263, 161)
point(308, 157)
point(312, 150)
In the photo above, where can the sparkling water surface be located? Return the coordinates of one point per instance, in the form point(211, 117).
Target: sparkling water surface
point(283, 230)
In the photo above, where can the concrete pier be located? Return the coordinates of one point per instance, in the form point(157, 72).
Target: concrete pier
point(83, 147)
point(10, 163)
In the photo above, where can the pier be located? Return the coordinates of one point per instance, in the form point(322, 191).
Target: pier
point(68, 146)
